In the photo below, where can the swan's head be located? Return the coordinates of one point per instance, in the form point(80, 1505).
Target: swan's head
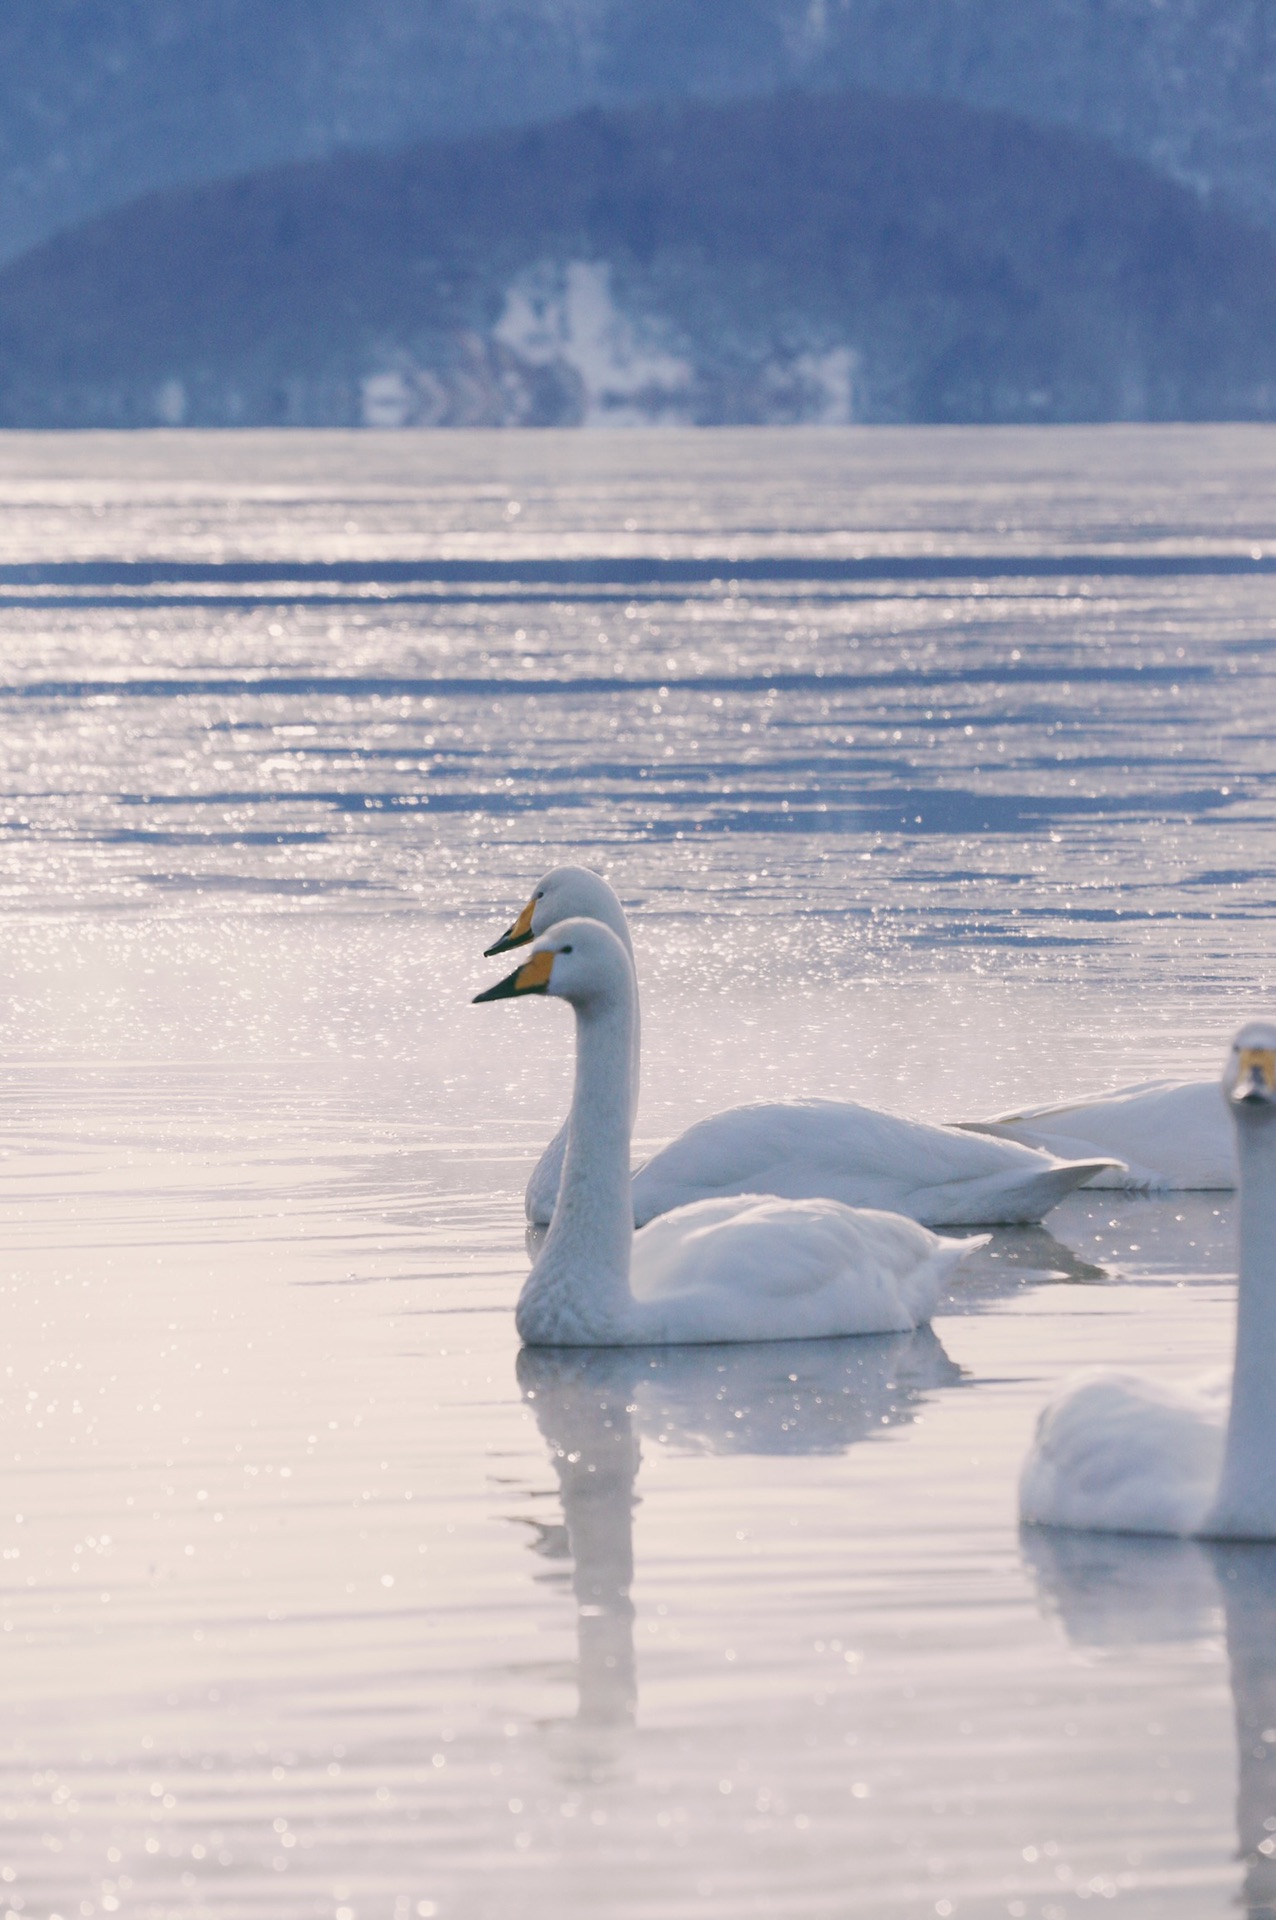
point(581, 961)
point(565, 893)
point(1249, 1078)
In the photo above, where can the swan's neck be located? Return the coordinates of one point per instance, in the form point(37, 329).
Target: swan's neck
point(542, 1188)
point(620, 927)
point(577, 1294)
point(1245, 1506)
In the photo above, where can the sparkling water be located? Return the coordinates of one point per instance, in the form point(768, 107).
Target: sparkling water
point(936, 768)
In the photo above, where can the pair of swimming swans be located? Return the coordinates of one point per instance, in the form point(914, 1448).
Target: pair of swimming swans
point(802, 1149)
point(739, 1266)
point(1162, 1136)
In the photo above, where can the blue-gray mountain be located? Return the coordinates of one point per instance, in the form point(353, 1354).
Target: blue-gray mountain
point(103, 99)
point(820, 257)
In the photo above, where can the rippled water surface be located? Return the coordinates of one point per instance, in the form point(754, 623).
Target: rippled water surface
point(937, 769)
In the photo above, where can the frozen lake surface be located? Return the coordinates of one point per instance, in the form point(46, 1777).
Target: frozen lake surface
point(937, 768)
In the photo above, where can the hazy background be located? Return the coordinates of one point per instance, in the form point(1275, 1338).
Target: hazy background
point(499, 212)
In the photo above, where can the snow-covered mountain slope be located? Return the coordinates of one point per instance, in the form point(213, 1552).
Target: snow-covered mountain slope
point(802, 257)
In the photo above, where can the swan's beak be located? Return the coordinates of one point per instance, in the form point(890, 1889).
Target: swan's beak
point(532, 978)
point(1255, 1082)
point(516, 936)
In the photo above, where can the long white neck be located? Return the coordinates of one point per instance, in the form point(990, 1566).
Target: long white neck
point(1245, 1505)
point(620, 927)
point(577, 1293)
point(542, 1187)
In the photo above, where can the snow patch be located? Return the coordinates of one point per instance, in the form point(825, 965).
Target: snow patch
point(566, 316)
point(170, 403)
point(389, 399)
point(564, 352)
point(474, 383)
point(830, 382)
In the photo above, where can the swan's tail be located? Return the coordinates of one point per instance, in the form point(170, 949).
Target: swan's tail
point(1019, 1128)
point(1019, 1198)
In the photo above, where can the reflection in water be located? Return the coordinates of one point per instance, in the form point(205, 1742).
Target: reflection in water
point(581, 1400)
point(591, 1404)
point(1247, 1576)
point(1017, 1258)
point(1034, 1252)
point(1117, 1590)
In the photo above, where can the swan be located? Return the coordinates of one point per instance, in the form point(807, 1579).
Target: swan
point(747, 1267)
point(1173, 1136)
point(1115, 1453)
point(804, 1149)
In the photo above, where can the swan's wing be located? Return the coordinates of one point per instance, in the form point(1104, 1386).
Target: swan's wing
point(755, 1268)
point(1115, 1453)
point(839, 1150)
point(1172, 1135)
point(771, 1246)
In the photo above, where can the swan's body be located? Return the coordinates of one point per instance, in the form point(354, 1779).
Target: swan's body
point(805, 1149)
point(744, 1268)
point(785, 1270)
point(1116, 1453)
point(1172, 1135)
point(802, 1149)
point(1120, 1454)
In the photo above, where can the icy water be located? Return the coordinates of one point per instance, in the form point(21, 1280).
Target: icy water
point(937, 769)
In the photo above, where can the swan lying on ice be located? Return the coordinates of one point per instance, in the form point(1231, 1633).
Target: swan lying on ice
point(1115, 1453)
point(805, 1149)
point(749, 1267)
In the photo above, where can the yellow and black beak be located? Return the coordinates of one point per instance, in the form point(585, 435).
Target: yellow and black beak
point(516, 936)
point(533, 977)
point(1256, 1076)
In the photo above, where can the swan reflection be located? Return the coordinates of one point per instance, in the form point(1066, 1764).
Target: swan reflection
point(1019, 1257)
point(593, 1404)
point(1120, 1590)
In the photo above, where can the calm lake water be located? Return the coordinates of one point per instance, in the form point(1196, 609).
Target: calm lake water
point(937, 769)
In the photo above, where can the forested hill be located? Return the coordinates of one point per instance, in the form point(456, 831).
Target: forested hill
point(101, 100)
point(795, 258)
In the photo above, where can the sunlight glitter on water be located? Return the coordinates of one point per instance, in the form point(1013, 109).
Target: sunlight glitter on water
point(317, 1598)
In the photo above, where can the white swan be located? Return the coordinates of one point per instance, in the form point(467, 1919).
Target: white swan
point(1173, 1135)
point(745, 1268)
point(805, 1149)
point(1115, 1453)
